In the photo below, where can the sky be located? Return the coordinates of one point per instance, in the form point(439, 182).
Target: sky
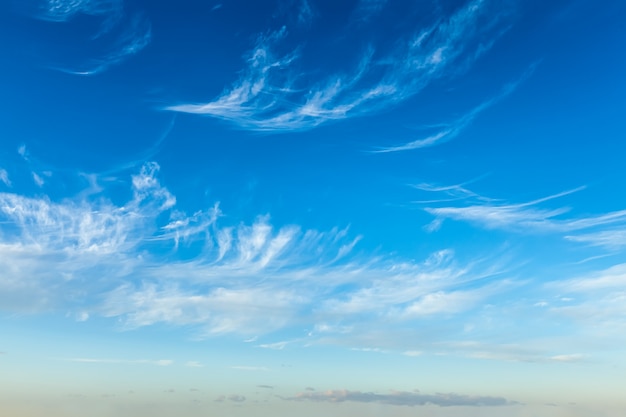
point(279, 207)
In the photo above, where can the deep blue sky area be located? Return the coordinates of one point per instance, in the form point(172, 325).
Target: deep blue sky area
point(311, 207)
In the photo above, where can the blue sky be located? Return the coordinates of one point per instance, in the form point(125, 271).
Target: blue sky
point(275, 207)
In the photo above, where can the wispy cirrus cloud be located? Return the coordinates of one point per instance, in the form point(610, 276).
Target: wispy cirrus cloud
point(98, 258)
point(523, 217)
point(145, 262)
point(613, 239)
point(401, 398)
point(4, 177)
point(453, 129)
point(64, 10)
point(123, 34)
point(271, 95)
point(132, 39)
point(598, 300)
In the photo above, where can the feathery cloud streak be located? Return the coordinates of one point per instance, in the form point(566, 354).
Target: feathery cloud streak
point(524, 217)
point(64, 10)
point(146, 262)
point(453, 129)
point(94, 257)
point(270, 95)
point(125, 35)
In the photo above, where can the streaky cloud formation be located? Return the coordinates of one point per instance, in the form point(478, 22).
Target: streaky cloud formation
point(525, 217)
point(196, 218)
point(298, 275)
point(602, 306)
point(130, 42)
point(64, 10)
point(401, 398)
point(453, 129)
point(269, 96)
point(126, 34)
point(612, 239)
point(158, 265)
point(4, 177)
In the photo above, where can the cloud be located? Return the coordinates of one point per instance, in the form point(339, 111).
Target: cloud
point(97, 258)
point(271, 94)
point(305, 15)
point(524, 217)
point(367, 9)
point(596, 301)
point(509, 352)
point(237, 398)
point(401, 398)
point(453, 129)
point(4, 177)
point(133, 39)
point(160, 362)
point(613, 239)
point(142, 261)
point(194, 364)
point(265, 386)
point(274, 346)
point(125, 35)
point(38, 180)
point(64, 10)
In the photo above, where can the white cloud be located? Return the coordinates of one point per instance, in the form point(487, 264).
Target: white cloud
point(612, 239)
point(133, 39)
point(524, 217)
point(128, 34)
point(4, 177)
point(160, 362)
point(269, 97)
point(63, 10)
point(91, 257)
point(38, 180)
point(274, 346)
point(453, 129)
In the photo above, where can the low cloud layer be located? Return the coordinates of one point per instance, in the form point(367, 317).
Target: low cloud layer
point(401, 398)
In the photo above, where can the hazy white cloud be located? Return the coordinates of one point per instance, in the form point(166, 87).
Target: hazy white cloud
point(613, 239)
point(401, 398)
point(524, 217)
point(160, 362)
point(92, 257)
point(454, 128)
point(4, 177)
point(38, 180)
point(132, 39)
point(596, 299)
point(269, 95)
point(63, 10)
point(274, 346)
point(127, 34)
